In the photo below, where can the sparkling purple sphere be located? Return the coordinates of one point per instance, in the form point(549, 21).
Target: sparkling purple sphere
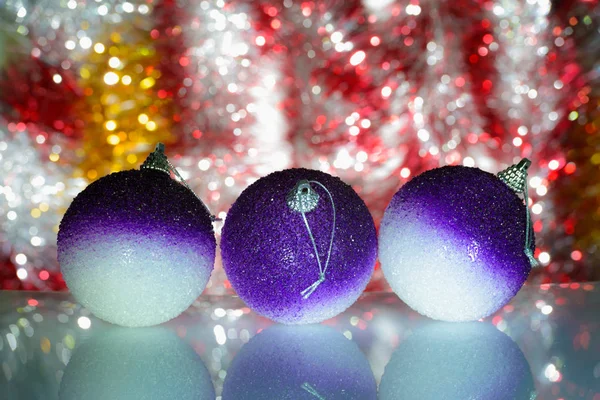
point(136, 247)
point(269, 256)
point(452, 243)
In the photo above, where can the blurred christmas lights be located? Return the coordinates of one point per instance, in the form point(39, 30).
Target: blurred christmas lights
point(372, 91)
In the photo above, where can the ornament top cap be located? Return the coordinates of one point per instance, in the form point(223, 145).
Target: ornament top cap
point(524, 164)
point(302, 198)
point(157, 160)
point(515, 176)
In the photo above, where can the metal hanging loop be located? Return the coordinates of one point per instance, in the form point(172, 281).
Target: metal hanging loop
point(515, 177)
point(303, 198)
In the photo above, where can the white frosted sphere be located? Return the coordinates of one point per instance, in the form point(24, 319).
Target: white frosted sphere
point(452, 244)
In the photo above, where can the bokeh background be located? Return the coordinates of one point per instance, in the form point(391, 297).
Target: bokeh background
point(373, 91)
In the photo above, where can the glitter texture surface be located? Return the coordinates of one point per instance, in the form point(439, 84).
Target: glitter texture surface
point(269, 258)
point(452, 243)
point(457, 361)
point(125, 364)
point(136, 248)
point(300, 363)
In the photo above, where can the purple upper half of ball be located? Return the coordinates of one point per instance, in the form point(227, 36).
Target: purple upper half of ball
point(472, 206)
point(146, 203)
point(269, 258)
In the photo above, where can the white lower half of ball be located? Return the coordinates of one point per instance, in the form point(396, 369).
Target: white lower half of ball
point(135, 280)
point(440, 274)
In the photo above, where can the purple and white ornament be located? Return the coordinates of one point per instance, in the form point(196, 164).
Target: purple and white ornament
point(136, 247)
point(456, 243)
point(299, 246)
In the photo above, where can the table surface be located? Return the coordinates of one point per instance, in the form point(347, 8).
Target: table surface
point(545, 344)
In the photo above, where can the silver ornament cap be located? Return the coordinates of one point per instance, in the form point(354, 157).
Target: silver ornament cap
point(157, 160)
point(515, 176)
point(302, 198)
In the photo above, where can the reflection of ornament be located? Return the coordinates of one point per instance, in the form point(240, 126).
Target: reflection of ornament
point(149, 363)
point(136, 247)
point(455, 242)
point(299, 362)
point(457, 361)
point(299, 246)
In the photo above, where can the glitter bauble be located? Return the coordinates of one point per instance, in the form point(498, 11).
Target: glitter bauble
point(457, 361)
point(300, 363)
point(146, 363)
point(452, 243)
point(136, 247)
point(299, 246)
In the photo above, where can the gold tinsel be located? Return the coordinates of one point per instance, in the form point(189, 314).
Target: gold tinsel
point(125, 113)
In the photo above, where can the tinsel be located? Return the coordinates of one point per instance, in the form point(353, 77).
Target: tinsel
point(35, 189)
point(372, 91)
point(388, 89)
point(125, 113)
point(231, 129)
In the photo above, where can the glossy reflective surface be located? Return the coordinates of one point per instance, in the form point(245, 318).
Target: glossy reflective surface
point(545, 344)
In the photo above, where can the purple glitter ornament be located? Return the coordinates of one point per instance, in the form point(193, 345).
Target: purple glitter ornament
point(455, 243)
point(136, 247)
point(300, 363)
point(299, 246)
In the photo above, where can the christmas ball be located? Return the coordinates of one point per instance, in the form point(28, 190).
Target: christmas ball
point(456, 243)
point(145, 363)
point(299, 362)
point(299, 246)
point(136, 247)
point(457, 361)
